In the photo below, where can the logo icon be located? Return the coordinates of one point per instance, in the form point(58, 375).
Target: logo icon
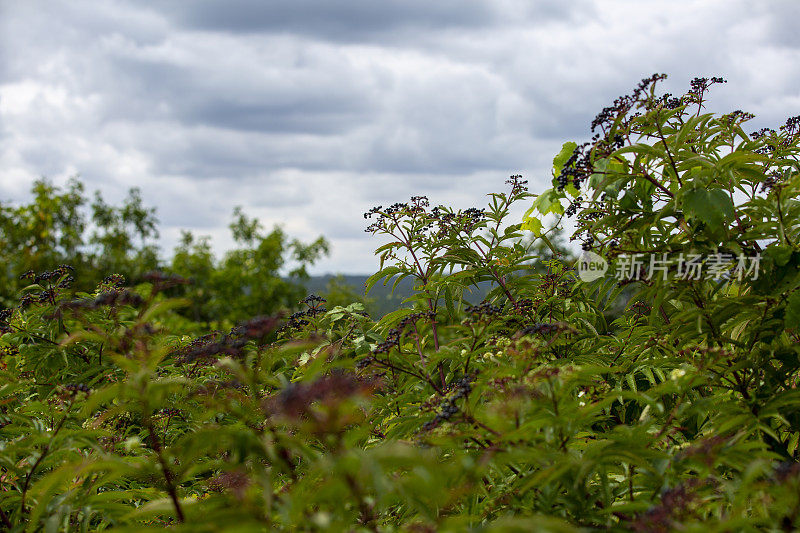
point(591, 266)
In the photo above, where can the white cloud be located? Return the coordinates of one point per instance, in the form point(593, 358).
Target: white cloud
point(307, 113)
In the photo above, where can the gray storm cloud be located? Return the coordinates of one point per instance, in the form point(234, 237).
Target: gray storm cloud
point(309, 112)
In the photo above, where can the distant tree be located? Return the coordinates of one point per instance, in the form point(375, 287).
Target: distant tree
point(60, 225)
point(53, 228)
point(123, 238)
point(248, 280)
point(194, 260)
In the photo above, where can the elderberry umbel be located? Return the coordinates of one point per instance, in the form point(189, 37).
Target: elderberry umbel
point(460, 389)
point(162, 280)
point(299, 319)
point(518, 185)
point(483, 310)
point(622, 105)
point(50, 275)
point(699, 86)
point(792, 126)
point(50, 285)
point(297, 399)
point(610, 124)
point(112, 298)
point(790, 130)
point(5, 316)
point(75, 388)
point(211, 346)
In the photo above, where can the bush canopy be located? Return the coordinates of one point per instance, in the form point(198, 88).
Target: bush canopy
point(532, 409)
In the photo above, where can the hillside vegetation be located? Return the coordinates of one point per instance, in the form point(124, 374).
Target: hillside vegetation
point(141, 401)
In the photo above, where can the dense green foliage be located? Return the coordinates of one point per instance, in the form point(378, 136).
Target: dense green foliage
point(247, 281)
point(54, 228)
point(529, 411)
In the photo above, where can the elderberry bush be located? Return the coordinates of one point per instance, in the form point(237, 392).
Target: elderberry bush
point(527, 409)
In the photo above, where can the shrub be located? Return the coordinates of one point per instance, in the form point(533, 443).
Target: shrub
point(524, 411)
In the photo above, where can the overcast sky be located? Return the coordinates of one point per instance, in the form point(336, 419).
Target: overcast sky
point(309, 112)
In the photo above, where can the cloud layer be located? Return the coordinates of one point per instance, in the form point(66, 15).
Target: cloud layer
point(309, 112)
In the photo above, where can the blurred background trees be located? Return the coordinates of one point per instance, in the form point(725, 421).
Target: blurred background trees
point(60, 225)
point(248, 280)
point(263, 273)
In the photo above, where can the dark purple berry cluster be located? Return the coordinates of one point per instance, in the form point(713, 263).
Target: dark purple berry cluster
point(392, 341)
point(589, 214)
point(297, 399)
point(299, 319)
point(792, 126)
point(576, 168)
point(573, 207)
point(622, 105)
point(51, 283)
point(518, 185)
point(312, 300)
point(163, 281)
point(483, 310)
point(763, 132)
point(227, 345)
point(771, 180)
point(384, 217)
point(106, 299)
point(699, 86)
point(612, 121)
point(737, 117)
point(667, 101)
point(51, 275)
point(460, 390)
point(213, 345)
point(525, 306)
point(75, 388)
point(554, 282)
point(193, 349)
point(449, 223)
point(364, 362)
point(114, 282)
point(5, 317)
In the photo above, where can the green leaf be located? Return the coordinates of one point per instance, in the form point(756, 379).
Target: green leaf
point(628, 201)
point(548, 202)
point(779, 253)
point(391, 318)
point(713, 207)
point(531, 223)
point(567, 149)
point(793, 310)
point(558, 166)
point(386, 273)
